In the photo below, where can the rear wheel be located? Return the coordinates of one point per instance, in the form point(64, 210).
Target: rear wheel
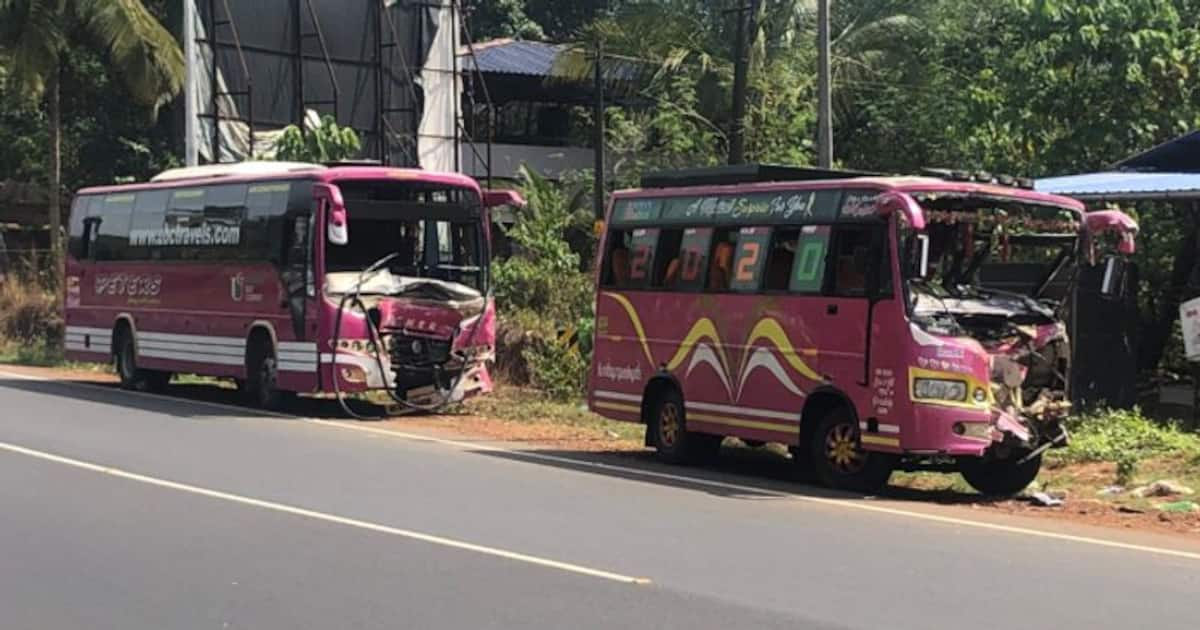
point(1000, 476)
point(132, 377)
point(669, 434)
point(839, 459)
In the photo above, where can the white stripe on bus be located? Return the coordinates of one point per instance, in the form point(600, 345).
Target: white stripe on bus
point(893, 429)
point(192, 357)
point(600, 393)
point(746, 411)
point(84, 330)
point(175, 346)
point(210, 340)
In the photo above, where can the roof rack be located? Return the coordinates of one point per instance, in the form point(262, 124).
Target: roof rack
point(743, 174)
point(237, 169)
point(982, 177)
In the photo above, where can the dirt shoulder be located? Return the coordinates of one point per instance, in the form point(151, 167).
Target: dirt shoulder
point(521, 420)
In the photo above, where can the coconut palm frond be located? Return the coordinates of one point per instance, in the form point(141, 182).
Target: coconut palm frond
point(144, 52)
point(34, 34)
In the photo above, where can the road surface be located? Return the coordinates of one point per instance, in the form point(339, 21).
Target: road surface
point(131, 511)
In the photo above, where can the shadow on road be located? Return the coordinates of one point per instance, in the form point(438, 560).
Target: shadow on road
point(168, 403)
point(741, 473)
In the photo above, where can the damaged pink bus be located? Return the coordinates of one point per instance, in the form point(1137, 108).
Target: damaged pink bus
point(848, 317)
point(287, 278)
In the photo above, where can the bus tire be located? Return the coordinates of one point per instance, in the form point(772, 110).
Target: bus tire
point(839, 459)
point(1000, 477)
point(131, 376)
point(262, 379)
point(673, 443)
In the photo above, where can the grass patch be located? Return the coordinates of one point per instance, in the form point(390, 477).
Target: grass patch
point(527, 405)
point(1129, 440)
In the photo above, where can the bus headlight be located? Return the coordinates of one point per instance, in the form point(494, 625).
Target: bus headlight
point(940, 389)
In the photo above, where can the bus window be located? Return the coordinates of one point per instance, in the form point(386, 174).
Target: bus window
point(750, 258)
point(781, 259)
point(616, 263)
point(693, 258)
point(808, 268)
point(852, 258)
point(641, 255)
point(720, 265)
point(110, 234)
point(666, 260)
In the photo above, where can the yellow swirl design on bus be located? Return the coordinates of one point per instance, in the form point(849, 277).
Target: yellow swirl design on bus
point(701, 330)
point(703, 336)
point(637, 323)
point(770, 330)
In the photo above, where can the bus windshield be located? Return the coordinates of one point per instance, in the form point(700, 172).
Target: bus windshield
point(433, 236)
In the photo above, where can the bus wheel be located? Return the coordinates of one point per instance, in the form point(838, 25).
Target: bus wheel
point(673, 442)
point(263, 382)
point(840, 461)
point(1000, 476)
point(132, 377)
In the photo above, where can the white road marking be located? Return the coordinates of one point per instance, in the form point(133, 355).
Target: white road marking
point(852, 504)
point(322, 516)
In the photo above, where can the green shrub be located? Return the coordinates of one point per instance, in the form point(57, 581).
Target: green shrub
point(1126, 438)
point(544, 296)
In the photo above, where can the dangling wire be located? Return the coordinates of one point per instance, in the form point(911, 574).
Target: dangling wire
point(355, 301)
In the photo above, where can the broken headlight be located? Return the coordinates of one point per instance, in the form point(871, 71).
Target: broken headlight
point(940, 389)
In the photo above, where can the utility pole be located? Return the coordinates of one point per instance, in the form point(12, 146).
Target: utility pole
point(824, 89)
point(190, 113)
point(743, 40)
point(598, 129)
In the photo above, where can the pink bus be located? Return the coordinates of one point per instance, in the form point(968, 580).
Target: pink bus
point(855, 319)
point(287, 278)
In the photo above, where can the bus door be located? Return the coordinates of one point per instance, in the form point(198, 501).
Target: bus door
point(857, 273)
point(299, 283)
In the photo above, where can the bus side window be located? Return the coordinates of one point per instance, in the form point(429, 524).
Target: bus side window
point(693, 258)
point(808, 268)
point(750, 259)
point(667, 265)
point(781, 259)
point(76, 244)
point(616, 262)
point(852, 258)
point(641, 256)
point(720, 265)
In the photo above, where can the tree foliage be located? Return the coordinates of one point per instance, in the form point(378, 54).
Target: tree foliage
point(327, 142)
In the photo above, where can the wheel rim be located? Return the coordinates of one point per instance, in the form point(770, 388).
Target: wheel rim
point(842, 450)
point(668, 425)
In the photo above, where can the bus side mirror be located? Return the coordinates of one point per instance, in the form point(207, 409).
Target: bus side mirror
point(339, 230)
point(1114, 277)
point(497, 198)
point(922, 253)
point(337, 223)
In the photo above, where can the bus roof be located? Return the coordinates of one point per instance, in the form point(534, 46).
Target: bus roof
point(910, 185)
point(315, 172)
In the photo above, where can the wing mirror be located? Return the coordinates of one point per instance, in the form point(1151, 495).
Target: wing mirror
point(1112, 285)
point(337, 223)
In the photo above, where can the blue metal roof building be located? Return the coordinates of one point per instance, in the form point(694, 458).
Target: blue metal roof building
point(1169, 171)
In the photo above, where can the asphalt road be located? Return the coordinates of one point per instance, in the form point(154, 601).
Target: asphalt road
point(126, 511)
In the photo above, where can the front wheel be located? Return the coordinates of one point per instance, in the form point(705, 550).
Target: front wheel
point(1000, 477)
point(263, 384)
point(839, 459)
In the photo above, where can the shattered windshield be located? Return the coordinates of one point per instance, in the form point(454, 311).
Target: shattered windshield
point(432, 235)
point(978, 246)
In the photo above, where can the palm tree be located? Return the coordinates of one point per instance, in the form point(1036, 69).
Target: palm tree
point(34, 34)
